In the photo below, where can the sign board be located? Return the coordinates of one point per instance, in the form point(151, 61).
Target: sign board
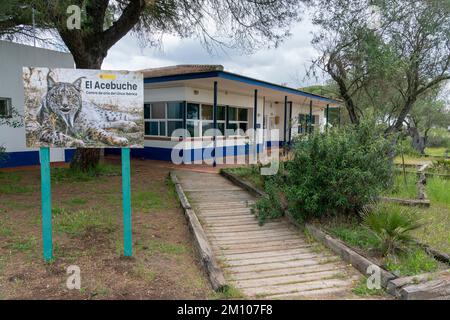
point(83, 108)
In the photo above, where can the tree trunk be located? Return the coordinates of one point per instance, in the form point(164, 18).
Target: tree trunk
point(86, 159)
point(418, 142)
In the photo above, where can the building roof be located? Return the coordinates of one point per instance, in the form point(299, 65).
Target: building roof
point(198, 71)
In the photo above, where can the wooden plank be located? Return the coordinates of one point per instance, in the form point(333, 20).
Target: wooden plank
point(427, 290)
point(268, 239)
point(338, 267)
point(326, 293)
point(301, 288)
point(289, 279)
point(278, 259)
point(279, 265)
point(267, 253)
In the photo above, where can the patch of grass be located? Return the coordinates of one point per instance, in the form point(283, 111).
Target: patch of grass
point(144, 273)
point(355, 235)
point(10, 177)
point(436, 229)
point(158, 246)
point(78, 223)
point(15, 188)
point(250, 173)
point(411, 263)
point(5, 229)
point(23, 245)
point(363, 290)
point(435, 152)
point(230, 292)
point(76, 202)
point(438, 190)
point(404, 190)
point(75, 175)
point(147, 200)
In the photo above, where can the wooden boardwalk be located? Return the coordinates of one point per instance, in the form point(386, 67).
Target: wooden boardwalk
point(270, 261)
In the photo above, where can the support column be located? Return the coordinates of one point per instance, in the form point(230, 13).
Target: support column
point(215, 123)
point(327, 115)
point(290, 122)
point(285, 121)
point(310, 116)
point(255, 121)
point(339, 118)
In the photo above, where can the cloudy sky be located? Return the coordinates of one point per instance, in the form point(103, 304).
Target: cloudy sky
point(283, 65)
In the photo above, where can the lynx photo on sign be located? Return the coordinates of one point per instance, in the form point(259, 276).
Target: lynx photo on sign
point(83, 108)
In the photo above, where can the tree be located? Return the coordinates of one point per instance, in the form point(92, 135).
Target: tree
point(243, 24)
point(383, 54)
point(428, 112)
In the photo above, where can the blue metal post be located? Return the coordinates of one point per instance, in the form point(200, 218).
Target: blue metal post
point(214, 123)
point(310, 116)
point(327, 121)
point(285, 121)
point(126, 203)
point(46, 199)
point(255, 120)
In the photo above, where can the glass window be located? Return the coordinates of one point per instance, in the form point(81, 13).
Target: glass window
point(221, 127)
point(232, 126)
point(193, 128)
point(231, 114)
point(172, 126)
point(158, 110)
point(147, 111)
point(221, 113)
point(151, 128)
point(175, 110)
point(207, 112)
point(206, 126)
point(242, 114)
point(162, 128)
point(243, 126)
point(193, 111)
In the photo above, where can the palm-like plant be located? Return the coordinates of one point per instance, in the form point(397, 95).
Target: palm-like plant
point(392, 225)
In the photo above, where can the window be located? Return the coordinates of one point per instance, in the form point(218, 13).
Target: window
point(162, 118)
point(303, 123)
point(237, 119)
point(5, 108)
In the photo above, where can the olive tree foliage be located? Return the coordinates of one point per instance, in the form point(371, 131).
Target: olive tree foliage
point(428, 112)
point(383, 55)
point(241, 24)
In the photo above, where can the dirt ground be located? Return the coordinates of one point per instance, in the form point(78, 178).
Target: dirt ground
point(87, 232)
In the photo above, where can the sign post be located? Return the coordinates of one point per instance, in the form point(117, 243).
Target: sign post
point(77, 108)
point(46, 199)
point(126, 203)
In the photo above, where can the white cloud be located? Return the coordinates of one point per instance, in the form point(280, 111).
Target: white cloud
point(285, 64)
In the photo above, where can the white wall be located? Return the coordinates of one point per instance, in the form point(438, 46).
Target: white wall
point(13, 58)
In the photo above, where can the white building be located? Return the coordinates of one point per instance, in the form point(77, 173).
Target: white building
point(177, 97)
point(184, 97)
point(13, 57)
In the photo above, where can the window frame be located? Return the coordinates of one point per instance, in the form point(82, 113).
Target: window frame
point(200, 122)
point(8, 113)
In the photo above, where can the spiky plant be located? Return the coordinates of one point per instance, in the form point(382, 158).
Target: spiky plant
point(392, 225)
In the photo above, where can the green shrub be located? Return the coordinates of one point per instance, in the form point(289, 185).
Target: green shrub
point(392, 225)
point(334, 173)
point(438, 137)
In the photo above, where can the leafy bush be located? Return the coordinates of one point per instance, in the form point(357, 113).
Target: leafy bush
point(392, 225)
point(438, 137)
point(329, 174)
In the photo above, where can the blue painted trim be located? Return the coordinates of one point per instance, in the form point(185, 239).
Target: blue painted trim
point(68, 154)
point(238, 78)
point(164, 154)
point(20, 158)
